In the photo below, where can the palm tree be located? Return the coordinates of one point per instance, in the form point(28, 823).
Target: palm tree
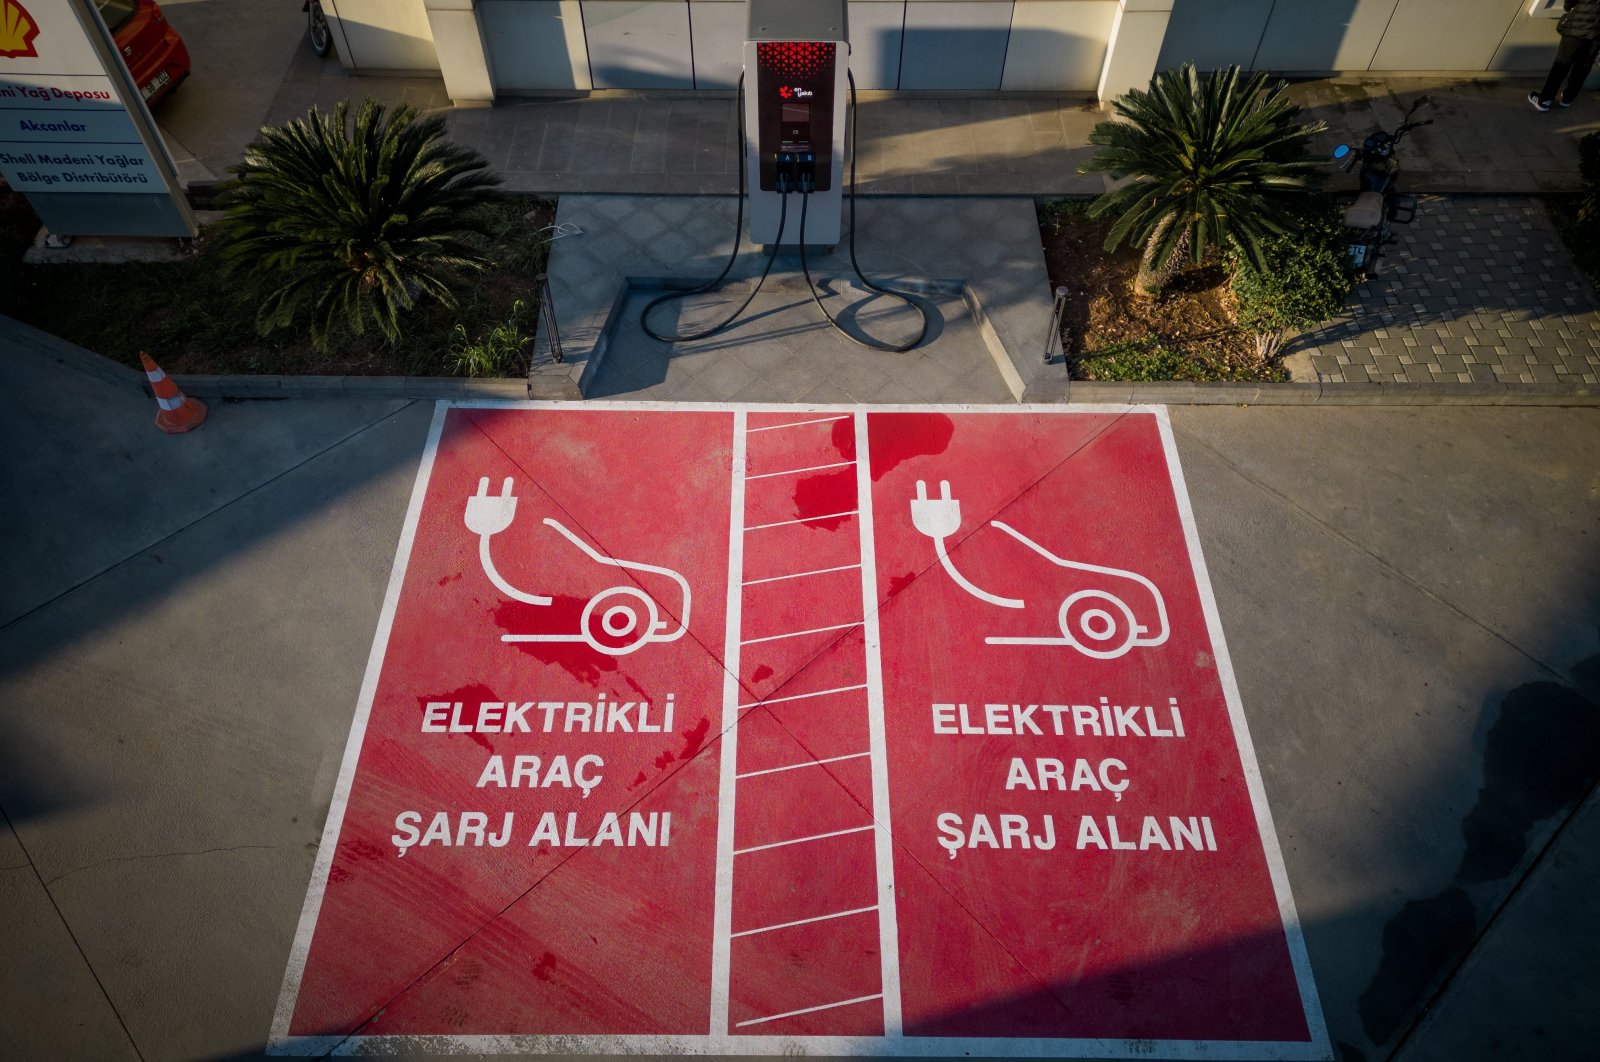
point(1220, 162)
point(359, 225)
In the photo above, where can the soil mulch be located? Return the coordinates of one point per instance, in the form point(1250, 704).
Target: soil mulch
point(1194, 315)
point(187, 316)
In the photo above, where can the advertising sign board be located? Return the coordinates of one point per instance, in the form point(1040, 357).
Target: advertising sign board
point(75, 135)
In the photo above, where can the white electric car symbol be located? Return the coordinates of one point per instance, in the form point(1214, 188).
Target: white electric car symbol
point(1096, 620)
point(616, 621)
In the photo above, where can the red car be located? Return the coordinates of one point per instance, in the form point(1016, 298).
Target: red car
point(152, 50)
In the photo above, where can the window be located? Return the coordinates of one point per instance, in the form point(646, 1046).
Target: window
point(117, 13)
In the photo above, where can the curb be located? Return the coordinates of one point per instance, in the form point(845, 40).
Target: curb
point(1177, 393)
point(1332, 394)
point(352, 387)
point(1077, 393)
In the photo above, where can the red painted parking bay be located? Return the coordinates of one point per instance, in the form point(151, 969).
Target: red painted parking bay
point(744, 730)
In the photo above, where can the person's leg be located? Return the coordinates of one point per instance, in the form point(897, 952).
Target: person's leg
point(1566, 53)
point(1582, 62)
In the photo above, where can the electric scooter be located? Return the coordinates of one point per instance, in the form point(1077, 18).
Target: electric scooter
point(1371, 211)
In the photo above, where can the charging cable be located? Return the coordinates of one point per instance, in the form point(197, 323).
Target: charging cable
point(806, 185)
point(738, 235)
point(557, 232)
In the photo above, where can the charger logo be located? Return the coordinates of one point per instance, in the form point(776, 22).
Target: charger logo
point(17, 31)
point(795, 92)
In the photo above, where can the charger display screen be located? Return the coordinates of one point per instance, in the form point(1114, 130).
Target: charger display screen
point(794, 104)
point(796, 123)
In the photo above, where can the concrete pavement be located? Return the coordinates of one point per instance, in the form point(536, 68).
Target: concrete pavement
point(1409, 596)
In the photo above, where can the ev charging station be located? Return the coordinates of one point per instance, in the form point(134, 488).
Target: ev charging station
point(792, 131)
point(797, 65)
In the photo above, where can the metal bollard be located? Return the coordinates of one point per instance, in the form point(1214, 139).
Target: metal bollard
point(1053, 339)
point(547, 310)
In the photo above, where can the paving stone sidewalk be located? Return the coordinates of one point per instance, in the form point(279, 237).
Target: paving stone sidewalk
point(1476, 290)
point(1484, 138)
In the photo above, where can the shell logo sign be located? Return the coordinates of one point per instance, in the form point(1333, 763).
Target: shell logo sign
point(17, 31)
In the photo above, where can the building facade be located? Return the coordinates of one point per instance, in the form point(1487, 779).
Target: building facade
point(486, 49)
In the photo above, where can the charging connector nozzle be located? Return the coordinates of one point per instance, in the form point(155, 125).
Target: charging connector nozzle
point(806, 165)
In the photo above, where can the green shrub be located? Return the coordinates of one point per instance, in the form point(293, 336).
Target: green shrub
point(1577, 217)
point(1149, 359)
point(333, 224)
point(1054, 212)
point(517, 243)
point(1302, 279)
point(1221, 162)
point(1589, 161)
point(501, 351)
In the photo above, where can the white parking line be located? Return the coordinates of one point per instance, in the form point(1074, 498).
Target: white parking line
point(797, 634)
point(809, 1010)
point(798, 575)
point(797, 471)
point(804, 921)
point(808, 763)
point(796, 424)
point(802, 520)
point(802, 840)
point(803, 696)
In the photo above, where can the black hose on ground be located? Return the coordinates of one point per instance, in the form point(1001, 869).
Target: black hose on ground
point(805, 197)
point(738, 235)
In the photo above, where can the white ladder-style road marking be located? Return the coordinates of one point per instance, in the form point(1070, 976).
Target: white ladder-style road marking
point(803, 840)
point(808, 763)
point(742, 981)
point(802, 520)
point(805, 921)
point(809, 1010)
point(796, 424)
point(797, 471)
point(802, 696)
point(800, 634)
point(798, 575)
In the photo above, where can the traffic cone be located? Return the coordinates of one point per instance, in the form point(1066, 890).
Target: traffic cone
point(178, 413)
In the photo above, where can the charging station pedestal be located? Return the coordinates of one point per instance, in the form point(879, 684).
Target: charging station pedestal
point(796, 62)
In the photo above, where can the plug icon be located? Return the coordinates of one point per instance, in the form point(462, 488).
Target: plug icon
point(489, 514)
point(939, 518)
point(935, 517)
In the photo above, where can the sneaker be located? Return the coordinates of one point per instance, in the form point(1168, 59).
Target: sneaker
point(1538, 104)
point(1562, 103)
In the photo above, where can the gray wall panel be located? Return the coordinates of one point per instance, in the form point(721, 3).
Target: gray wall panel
point(875, 42)
point(1446, 34)
point(638, 43)
point(1214, 33)
point(527, 45)
point(1322, 35)
point(1530, 47)
point(719, 28)
point(1057, 45)
point(385, 34)
point(956, 45)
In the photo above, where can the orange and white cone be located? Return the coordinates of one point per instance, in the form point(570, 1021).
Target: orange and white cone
point(178, 413)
